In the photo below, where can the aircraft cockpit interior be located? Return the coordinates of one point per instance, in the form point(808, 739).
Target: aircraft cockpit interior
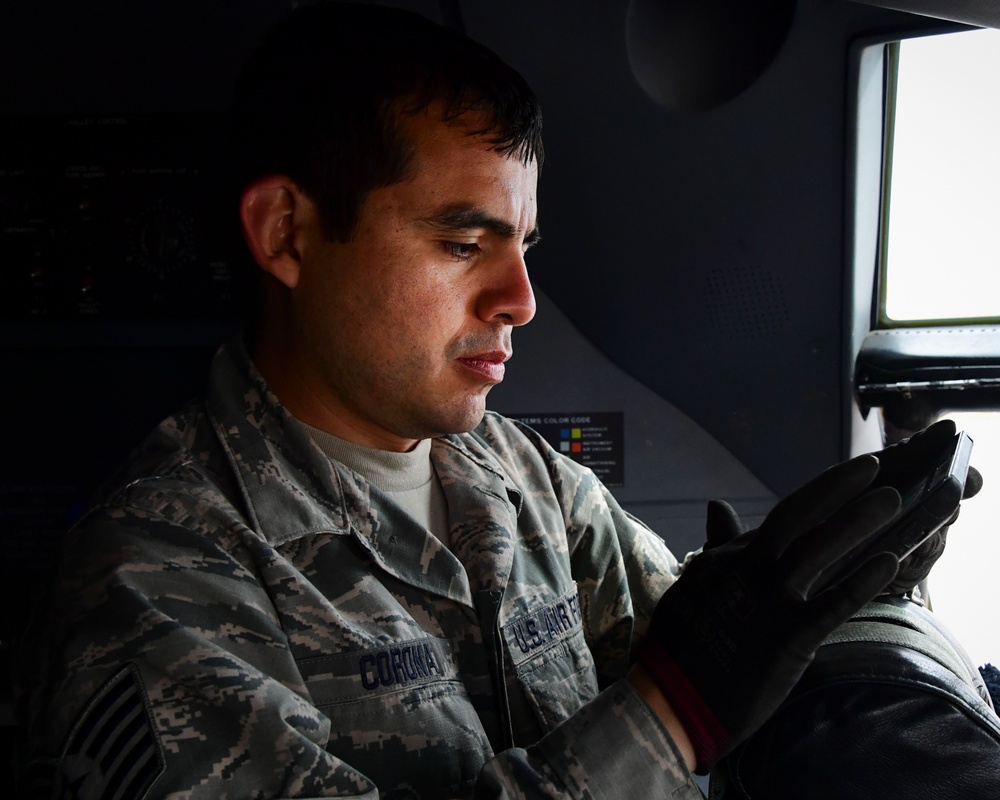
point(769, 244)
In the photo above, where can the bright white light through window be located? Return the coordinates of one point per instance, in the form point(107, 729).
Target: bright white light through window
point(943, 245)
point(963, 582)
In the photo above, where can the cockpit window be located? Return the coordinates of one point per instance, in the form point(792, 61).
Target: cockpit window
point(941, 196)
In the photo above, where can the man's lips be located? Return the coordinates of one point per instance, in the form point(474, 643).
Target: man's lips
point(488, 365)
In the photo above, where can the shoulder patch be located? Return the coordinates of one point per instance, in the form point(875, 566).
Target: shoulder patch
point(112, 751)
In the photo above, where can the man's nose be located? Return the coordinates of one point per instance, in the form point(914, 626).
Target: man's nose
point(508, 296)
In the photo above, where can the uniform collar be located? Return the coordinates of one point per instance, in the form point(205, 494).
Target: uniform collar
point(292, 489)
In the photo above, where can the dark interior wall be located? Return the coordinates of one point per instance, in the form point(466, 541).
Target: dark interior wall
point(88, 382)
point(116, 57)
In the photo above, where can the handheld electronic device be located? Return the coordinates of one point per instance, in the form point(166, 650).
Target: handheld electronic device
point(928, 504)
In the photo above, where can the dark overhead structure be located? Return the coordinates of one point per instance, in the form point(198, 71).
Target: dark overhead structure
point(692, 55)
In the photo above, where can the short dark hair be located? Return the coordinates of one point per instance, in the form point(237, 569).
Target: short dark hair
point(321, 97)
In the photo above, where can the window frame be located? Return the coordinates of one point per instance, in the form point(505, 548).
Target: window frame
point(912, 370)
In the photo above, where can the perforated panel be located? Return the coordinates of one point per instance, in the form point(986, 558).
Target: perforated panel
point(746, 302)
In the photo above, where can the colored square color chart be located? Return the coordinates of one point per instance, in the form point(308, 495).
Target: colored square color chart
point(594, 439)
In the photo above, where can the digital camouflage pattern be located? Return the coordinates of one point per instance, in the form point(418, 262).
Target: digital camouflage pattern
point(243, 618)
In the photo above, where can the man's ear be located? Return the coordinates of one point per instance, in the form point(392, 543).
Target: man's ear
point(270, 209)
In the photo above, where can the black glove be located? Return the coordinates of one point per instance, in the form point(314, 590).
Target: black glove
point(729, 640)
point(902, 463)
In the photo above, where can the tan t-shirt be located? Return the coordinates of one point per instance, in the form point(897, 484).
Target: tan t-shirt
point(409, 478)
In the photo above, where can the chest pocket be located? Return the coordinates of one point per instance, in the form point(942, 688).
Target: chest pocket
point(551, 660)
point(400, 715)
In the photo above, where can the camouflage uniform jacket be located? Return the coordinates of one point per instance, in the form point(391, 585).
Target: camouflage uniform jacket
point(244, 618)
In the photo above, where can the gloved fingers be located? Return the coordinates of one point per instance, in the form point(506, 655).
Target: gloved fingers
point(973, 483)
point(810, 505)
point(839, 602)
point(917, 565)
point(927, 441)
point(821, 550)
point(722, 524)
point(910, 456)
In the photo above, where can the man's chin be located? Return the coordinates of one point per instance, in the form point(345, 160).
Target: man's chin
point(467, 418)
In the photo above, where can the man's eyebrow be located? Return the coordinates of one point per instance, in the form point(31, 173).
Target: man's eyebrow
point(462, 218)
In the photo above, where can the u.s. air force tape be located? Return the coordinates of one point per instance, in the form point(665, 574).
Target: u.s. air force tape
point(541, 627)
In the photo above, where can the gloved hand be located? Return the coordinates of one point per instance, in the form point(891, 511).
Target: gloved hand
point(729, 640)
point(902, 463)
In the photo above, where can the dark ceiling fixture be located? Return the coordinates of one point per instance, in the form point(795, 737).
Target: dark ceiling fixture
point(693, 55)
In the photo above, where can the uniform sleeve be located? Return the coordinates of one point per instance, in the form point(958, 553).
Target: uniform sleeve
point(164, 672)
point(613, 747)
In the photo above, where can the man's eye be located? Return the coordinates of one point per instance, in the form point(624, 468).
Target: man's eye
point(461, 250)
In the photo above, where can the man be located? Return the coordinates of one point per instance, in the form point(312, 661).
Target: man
point(338, 575)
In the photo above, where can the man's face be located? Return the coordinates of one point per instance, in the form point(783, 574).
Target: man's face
point(401, 332)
